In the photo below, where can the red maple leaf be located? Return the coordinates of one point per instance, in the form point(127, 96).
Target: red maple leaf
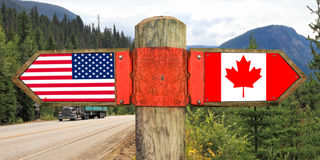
point(243, 77)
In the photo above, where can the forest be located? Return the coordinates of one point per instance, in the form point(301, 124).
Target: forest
point(22, 34)
point(290, 130)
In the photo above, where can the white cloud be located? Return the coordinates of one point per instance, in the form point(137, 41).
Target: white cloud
point(209, 22)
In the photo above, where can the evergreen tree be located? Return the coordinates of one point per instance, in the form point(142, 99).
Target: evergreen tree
point(51, 43)
point(38, 38)
point(25, 28)
point(8, 65)
point(253, 45)
point(27, 47)
point(34, 15)
point(315, 43)
point(74, 41)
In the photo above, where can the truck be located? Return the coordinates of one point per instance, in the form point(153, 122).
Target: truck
point(86, 112)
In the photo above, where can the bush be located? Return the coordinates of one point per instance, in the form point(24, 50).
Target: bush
point(47, 117)
point(208, 138)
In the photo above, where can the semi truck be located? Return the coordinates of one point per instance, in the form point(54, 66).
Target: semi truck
point(86, 112)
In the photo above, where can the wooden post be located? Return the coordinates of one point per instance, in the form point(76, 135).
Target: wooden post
point(160, 131)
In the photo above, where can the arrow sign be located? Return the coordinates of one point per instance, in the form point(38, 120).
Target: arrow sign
point(241, 77)
point(77, 77)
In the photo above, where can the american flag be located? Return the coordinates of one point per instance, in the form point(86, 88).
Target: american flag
point(76, 77)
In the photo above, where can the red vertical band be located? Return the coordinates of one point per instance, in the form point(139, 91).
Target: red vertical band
point(196, 79)
point(280, 76)
point(212, 77)
point(123, 79)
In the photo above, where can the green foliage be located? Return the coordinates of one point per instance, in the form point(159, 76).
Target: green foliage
point(22, 34)
point(51, 43)
point(8, 99)
point(38, 38)
point(209, 137)
point(122, 110)
point(252, 43)
point(24, 27)
point(288, 131)
point(47, 117)
point(314, 42)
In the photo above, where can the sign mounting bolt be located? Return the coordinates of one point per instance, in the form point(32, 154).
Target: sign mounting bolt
point(199, 56)
point(120, 57)
point(121, 101)
point(198, 102)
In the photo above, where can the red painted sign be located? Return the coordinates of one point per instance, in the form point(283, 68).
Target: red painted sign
point(160, 77)
point(243, 76)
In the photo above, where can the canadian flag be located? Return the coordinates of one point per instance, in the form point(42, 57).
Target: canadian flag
point(246, 77)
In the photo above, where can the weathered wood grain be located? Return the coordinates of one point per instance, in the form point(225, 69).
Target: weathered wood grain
point(160, 31)
point(160, 131)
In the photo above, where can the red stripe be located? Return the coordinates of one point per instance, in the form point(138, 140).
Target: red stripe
point(73, 92)
point(49, 70)
point(79, 100)
point(212, 77)
point(44, 77)
point(196, 78)
point(280, 76)
point(71, 85)
point(53, 55)
point(53, 62)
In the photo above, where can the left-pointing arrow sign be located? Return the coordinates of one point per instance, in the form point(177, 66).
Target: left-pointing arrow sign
point(77, 77)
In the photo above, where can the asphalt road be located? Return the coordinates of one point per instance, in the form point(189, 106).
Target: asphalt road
point(83, 139)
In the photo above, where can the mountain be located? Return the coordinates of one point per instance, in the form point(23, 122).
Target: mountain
point(43, 8)
point(295, 46)
point(200, 46)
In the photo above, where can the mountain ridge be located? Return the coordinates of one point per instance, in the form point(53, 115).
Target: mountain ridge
point(43, 8)
point(275, 37)
point(278, 37)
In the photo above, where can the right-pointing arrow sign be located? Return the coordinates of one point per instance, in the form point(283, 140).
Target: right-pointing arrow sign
point(241, 77)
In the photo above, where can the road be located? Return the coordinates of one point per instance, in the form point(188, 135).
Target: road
point(83, 139)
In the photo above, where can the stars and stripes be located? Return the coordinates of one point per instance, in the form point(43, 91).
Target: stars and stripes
point(80, 77)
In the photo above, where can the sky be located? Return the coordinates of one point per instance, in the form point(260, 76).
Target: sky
point(209, 22)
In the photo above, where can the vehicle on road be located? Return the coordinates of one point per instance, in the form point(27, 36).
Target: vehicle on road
point(75, 113)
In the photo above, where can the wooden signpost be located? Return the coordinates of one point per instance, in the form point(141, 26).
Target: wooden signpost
point(160, 88)
point(160, 77)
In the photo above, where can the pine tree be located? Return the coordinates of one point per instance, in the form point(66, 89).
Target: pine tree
point(27, 47)
point(74, 41)
point(38, 38)
point(34, 15)
point(51, 43)
point(257, 121)
point(253, 45)
point(315, 43)
point(25, 27)
point(8, 65)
